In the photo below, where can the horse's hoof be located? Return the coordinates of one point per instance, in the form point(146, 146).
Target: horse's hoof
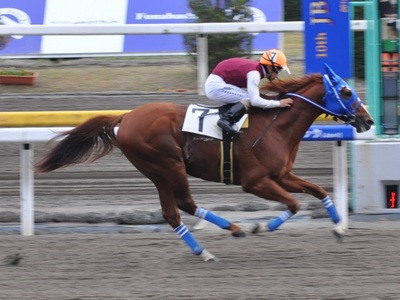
point(338, 233)
point(256, 228)
point(208, 256)
point(236, 230)
point(12, 259)
point(239, 233)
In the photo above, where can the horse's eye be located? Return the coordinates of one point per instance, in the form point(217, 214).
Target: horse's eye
point(346, 93)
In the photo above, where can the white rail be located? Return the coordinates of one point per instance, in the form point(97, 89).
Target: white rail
point(195, 28)
point(29, 135)
point(201, 29)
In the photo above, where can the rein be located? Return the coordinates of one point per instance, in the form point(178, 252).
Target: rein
point(313, 103)
point(302, 98)
point(267, 128)
point(345, 113)
point(332, 93)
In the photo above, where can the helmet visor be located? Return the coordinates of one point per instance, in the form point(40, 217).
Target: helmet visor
point(278, 70)
point(286, 70)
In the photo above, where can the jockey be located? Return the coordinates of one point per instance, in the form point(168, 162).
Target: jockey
point(236, 80)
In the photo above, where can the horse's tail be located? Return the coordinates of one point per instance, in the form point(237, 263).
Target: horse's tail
point(87, 142)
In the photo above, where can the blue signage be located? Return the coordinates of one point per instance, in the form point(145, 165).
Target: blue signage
point(327, 36)
point(14, 12)
point(156, 12)
point(178, 11)
point(330, 133)
point(116, 12)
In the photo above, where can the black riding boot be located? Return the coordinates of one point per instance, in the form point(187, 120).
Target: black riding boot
point(231, 116)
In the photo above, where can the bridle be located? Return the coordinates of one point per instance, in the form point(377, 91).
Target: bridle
point(334, 104)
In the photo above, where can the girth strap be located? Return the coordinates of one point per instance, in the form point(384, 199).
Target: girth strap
point(226, 162)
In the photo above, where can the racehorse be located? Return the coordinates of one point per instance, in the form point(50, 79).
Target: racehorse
point(151, 138)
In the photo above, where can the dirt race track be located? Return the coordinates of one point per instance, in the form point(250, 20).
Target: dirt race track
point(300, 261)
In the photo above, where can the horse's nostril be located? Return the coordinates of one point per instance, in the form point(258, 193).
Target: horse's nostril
point(370, 122)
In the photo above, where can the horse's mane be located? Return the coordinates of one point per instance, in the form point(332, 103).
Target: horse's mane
point(291, 84)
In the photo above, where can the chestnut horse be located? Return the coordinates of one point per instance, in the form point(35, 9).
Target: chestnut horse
point(152, 139)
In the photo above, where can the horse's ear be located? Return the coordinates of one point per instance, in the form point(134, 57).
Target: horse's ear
point(332, 75)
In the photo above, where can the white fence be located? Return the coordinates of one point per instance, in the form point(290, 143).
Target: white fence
point(195, 28)
point(201, 29)
point(27, 136)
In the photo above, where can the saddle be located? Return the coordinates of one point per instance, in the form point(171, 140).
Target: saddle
point(202, 119)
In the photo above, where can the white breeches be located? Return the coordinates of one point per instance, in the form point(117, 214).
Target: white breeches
point(217, 89)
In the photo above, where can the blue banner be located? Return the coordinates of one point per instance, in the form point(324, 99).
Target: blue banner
point(178, 11)
point(330, 133)
point(14, 12)
point(116, 12)
point(327, 36)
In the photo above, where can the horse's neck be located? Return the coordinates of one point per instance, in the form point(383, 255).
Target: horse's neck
point(303, 113)
point(296, 120)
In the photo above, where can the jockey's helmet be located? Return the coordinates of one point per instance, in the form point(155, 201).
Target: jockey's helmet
point(276, 59)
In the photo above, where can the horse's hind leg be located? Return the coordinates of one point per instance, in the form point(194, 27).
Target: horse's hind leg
point(173, 189)
point(171, 214)
point(164, 173)
point(187, 204)
point(180, 186)
point(219, 221)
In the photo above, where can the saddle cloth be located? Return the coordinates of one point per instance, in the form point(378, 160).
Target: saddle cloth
point(203, 120)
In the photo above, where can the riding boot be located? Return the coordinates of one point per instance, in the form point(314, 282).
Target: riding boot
point(231, 116)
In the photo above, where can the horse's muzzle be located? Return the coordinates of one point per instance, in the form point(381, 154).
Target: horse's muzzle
point(362, 124)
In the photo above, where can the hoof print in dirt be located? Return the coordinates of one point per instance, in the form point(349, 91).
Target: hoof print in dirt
point(12, 259)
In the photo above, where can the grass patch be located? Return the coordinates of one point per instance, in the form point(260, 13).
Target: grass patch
point(105, 79)
point(15, 72)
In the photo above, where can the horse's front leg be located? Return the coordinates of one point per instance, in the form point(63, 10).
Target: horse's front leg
point(295, 184)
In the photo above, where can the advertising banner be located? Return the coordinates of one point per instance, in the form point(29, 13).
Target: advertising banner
point(327, 36)
point(25, 13)
point(90, 12)
point(329, 133)
point(115, 12)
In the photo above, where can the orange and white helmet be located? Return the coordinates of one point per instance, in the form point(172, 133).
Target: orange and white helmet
point(276, 59)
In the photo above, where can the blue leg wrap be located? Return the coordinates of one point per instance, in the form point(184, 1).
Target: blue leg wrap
point(330, 207)
point(185, 234)
point(213, 218)
point(275, 223)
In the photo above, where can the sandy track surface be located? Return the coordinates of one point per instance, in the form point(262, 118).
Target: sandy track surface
point(300, 261)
